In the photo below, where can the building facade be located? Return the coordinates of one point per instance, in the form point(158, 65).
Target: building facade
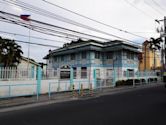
point(151, 60)
point(109, 59)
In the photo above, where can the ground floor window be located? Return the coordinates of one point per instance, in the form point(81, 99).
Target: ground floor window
point(83, 72)
point(98, 73)
point(125, 73)
point(131, 72)
point(128, 73)
point(65, 74)
point(74, 72)
point(109, 72)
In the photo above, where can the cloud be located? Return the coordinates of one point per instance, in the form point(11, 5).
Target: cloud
point(17, 9)
point(5, 36)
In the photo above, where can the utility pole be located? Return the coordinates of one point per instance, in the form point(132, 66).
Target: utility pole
point(164, 50)
point(164, 40)
point(164, 75)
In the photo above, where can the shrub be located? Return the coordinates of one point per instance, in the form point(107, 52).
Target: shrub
point(137, 80)
point(155, 79)
point(129, 82)
point(120, 82)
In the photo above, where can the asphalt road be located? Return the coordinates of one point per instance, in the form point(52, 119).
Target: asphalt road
point(140, 107)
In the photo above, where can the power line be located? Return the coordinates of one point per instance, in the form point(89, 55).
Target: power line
point(39, 44)
point(157, 4)
point(50, 25)
point(43, 30)
point(16, 34)
point(99, 22)
point(155, 9)
point(45, 45)
point(41, 11)
point(18, 22)
point(139, 9)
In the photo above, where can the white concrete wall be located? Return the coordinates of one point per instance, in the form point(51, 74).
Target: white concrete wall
point(18, 88)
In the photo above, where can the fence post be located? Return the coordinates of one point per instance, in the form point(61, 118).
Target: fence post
point(49, 91)
point(114, 78)
point(39, 76)
point(9, 94)
point(146, 77)
point(71, 76)
point(94, 77)
point(127, 74)
point(134, 79)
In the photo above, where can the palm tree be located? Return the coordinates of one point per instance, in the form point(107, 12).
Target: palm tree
point(155, 45)
point(10, 52)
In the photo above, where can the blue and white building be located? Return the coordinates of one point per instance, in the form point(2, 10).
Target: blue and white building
point(110, 59)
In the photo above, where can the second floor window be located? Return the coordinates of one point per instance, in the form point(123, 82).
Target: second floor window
point(73, 56)
point(55, 59)
point(130, 55)
point(110, 55)
point(74, 72)
point(83, 55)
point(83, 72)
point(98, 73)
point(97, 55)
point(62, 58)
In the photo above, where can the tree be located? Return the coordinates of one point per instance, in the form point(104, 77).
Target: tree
point(155, 45)
point(10, 52)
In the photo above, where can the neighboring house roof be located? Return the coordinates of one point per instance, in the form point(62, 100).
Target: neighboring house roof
point(81, 45)
point(30, 61)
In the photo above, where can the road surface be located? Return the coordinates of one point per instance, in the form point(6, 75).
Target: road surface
point(139, 107)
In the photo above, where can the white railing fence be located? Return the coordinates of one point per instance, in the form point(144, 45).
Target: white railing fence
point(13, 73)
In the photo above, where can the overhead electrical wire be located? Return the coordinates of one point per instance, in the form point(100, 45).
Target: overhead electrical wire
point(49, 25)
point(52, 15)
point(154, 9)
point(159, 6)
point(35, 37)
point(39, 44)
point(32, 27)
point(143, 12)
point(99, 22)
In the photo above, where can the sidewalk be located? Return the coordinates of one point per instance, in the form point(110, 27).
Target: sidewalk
point(27, 102)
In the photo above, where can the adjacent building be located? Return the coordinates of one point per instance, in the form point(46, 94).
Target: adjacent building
point(151, 59)
point(26, 69)
point(115, 58)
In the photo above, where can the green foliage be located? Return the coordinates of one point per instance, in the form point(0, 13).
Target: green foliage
point(155, 43)
point(120, 83)
point(126, 82)
point(10, 52)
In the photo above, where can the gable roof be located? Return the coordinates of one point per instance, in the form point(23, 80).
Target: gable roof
point(30, 61)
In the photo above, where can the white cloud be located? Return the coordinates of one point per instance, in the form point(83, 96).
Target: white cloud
point(7, 36)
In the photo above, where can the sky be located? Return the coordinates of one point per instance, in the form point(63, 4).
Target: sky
point(134, 16)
